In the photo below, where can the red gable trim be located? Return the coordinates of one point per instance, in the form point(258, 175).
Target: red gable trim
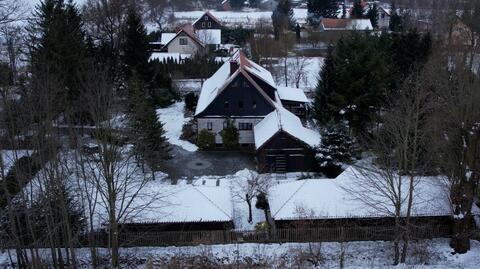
point(334, 23)
point(210, 15)
point(187, 30)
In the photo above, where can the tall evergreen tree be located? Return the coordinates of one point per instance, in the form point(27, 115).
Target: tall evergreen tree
point(396, 23)
point(372, 14)
point(357, 10)
point(353, 82)
point(282, 17)
point(57, 47)
point(336, 149)
point(135, 47)
point(150, 145)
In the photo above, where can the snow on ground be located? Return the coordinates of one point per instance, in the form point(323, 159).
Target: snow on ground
point(370, 254)
point(173, 119)
point(309, 67)
point(237, 18)
point(10, 156)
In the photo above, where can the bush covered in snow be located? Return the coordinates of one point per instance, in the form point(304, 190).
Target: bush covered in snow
point(336, 149)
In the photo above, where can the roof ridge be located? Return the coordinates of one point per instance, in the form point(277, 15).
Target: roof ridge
point(206, 197)
point(290, 197)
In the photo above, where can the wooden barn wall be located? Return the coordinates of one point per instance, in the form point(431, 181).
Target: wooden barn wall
point(207, 19)
point(286, 145)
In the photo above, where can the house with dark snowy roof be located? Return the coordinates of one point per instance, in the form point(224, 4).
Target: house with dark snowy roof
point(246, 93)
point(203, 34)
point(207, 21)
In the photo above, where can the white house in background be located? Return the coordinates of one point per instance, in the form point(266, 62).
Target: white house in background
point(203, 34)
point(383, 17)
point(333, 25)
point(185, 41)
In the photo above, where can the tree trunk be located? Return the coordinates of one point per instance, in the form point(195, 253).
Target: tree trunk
point(249, 203)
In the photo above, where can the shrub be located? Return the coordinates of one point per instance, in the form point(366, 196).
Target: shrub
point(206, 139)
point(189, 132)
point(163, 97)
point(191, 100)
point(230, 135)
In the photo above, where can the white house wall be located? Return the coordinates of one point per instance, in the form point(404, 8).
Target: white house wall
point(191, 48)
point(245, 136)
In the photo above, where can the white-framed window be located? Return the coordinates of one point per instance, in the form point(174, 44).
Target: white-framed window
point(206, 18)
point(245, 126)
point(209, 126)
point(209, 24)
point(203, 24)
point(183, 41)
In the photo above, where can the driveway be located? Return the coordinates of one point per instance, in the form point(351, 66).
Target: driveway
point(186, 164)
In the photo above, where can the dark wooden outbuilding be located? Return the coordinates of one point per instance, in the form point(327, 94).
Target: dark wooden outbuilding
point(285, 153)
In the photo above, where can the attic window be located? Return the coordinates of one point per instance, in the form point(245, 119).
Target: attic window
point(183, 41)
point(206, 18)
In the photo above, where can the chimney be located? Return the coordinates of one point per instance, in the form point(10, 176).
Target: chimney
point(233, 67)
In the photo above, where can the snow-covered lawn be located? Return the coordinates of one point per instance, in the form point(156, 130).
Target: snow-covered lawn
point(373, 254)
point(173, 119)
point(236, 18)
point(310, 73)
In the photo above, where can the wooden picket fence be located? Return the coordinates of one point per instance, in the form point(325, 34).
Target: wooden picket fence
point(335, 234)
point(191, 238)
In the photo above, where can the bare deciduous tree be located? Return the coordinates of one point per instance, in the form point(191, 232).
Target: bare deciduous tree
point(247, 187)
point(388, 187)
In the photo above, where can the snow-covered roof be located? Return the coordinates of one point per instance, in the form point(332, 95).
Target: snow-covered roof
point(209, 14)
point(188, 203)
point(212, 86)
point(188, 30)
point(210, 36)
point(292, 94)
point(331, 198)
point(166, 37)
point(346, 24)
point(283, 120)
point(161, 56)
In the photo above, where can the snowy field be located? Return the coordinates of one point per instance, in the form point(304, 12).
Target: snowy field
point(173, 119)
point(378, 254)
point(238, 18)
